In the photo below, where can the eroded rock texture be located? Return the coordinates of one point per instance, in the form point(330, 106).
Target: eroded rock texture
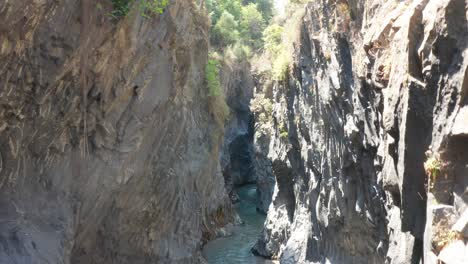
point(108, 151)
point(374, 86)
point(237, 157)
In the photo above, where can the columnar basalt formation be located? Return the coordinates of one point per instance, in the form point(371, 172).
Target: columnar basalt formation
point(375, 90)
point(111, 149)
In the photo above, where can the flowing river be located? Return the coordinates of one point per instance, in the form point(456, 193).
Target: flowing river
point(235, 249)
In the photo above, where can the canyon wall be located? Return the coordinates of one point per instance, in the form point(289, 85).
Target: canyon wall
point(237, 156)
point(109, 144)
point(112, 150)
point(375, 90)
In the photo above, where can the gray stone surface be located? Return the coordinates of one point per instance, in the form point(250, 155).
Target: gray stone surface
point(455, 253)
point(364, 99)
point(237, 159)
point(461, 225)
point(109, 153)
point(459, 127)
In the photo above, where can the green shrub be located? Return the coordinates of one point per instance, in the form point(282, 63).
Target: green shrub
point(152, 7)
point(217, 102)
point(281, 66)
point(272, 36)
point(212, 77)
point(121, 8)
point(284, 135)
point(433, 167)
point(283, 131)
point(147, 7)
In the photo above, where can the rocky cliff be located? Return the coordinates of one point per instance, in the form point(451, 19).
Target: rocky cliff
point(112, 149)
point(376, 91)
point(108, 146)
point(237, 157)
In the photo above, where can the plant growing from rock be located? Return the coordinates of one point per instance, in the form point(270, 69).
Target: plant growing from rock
point(277, 51)
point(283, 131)
point(433, 167)
point(284, 135)
point(281, 66)
point(443, 235)
point(152, 7)
point(263, 109)
point(212, 77)
point(147, 8)
point(272, 37)
point(279, 44)
point(217, 103)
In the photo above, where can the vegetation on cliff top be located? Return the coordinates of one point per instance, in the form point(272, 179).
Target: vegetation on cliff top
point(249, 30)
point(236, 33)
point(237, 23)
point(147, 7)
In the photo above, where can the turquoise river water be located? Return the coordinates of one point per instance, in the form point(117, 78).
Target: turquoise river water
point(235, 249)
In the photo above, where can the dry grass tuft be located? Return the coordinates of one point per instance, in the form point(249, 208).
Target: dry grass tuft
point(443, 235)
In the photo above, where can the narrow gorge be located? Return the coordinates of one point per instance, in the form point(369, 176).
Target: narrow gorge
point(233, 131)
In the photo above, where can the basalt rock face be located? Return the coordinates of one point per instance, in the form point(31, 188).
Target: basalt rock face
point(237, 156)
point(375, 89)
point(264, 135)
point(108, 151)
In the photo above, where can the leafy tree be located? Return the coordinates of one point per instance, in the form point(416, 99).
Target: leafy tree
point(252, 25)
point(272, 37)
point(265, 7)
point(217, 8)
point(240, 21)
point(225, 31)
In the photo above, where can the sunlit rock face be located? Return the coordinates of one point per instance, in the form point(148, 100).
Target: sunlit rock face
point(108, 151)
point(375, 89)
